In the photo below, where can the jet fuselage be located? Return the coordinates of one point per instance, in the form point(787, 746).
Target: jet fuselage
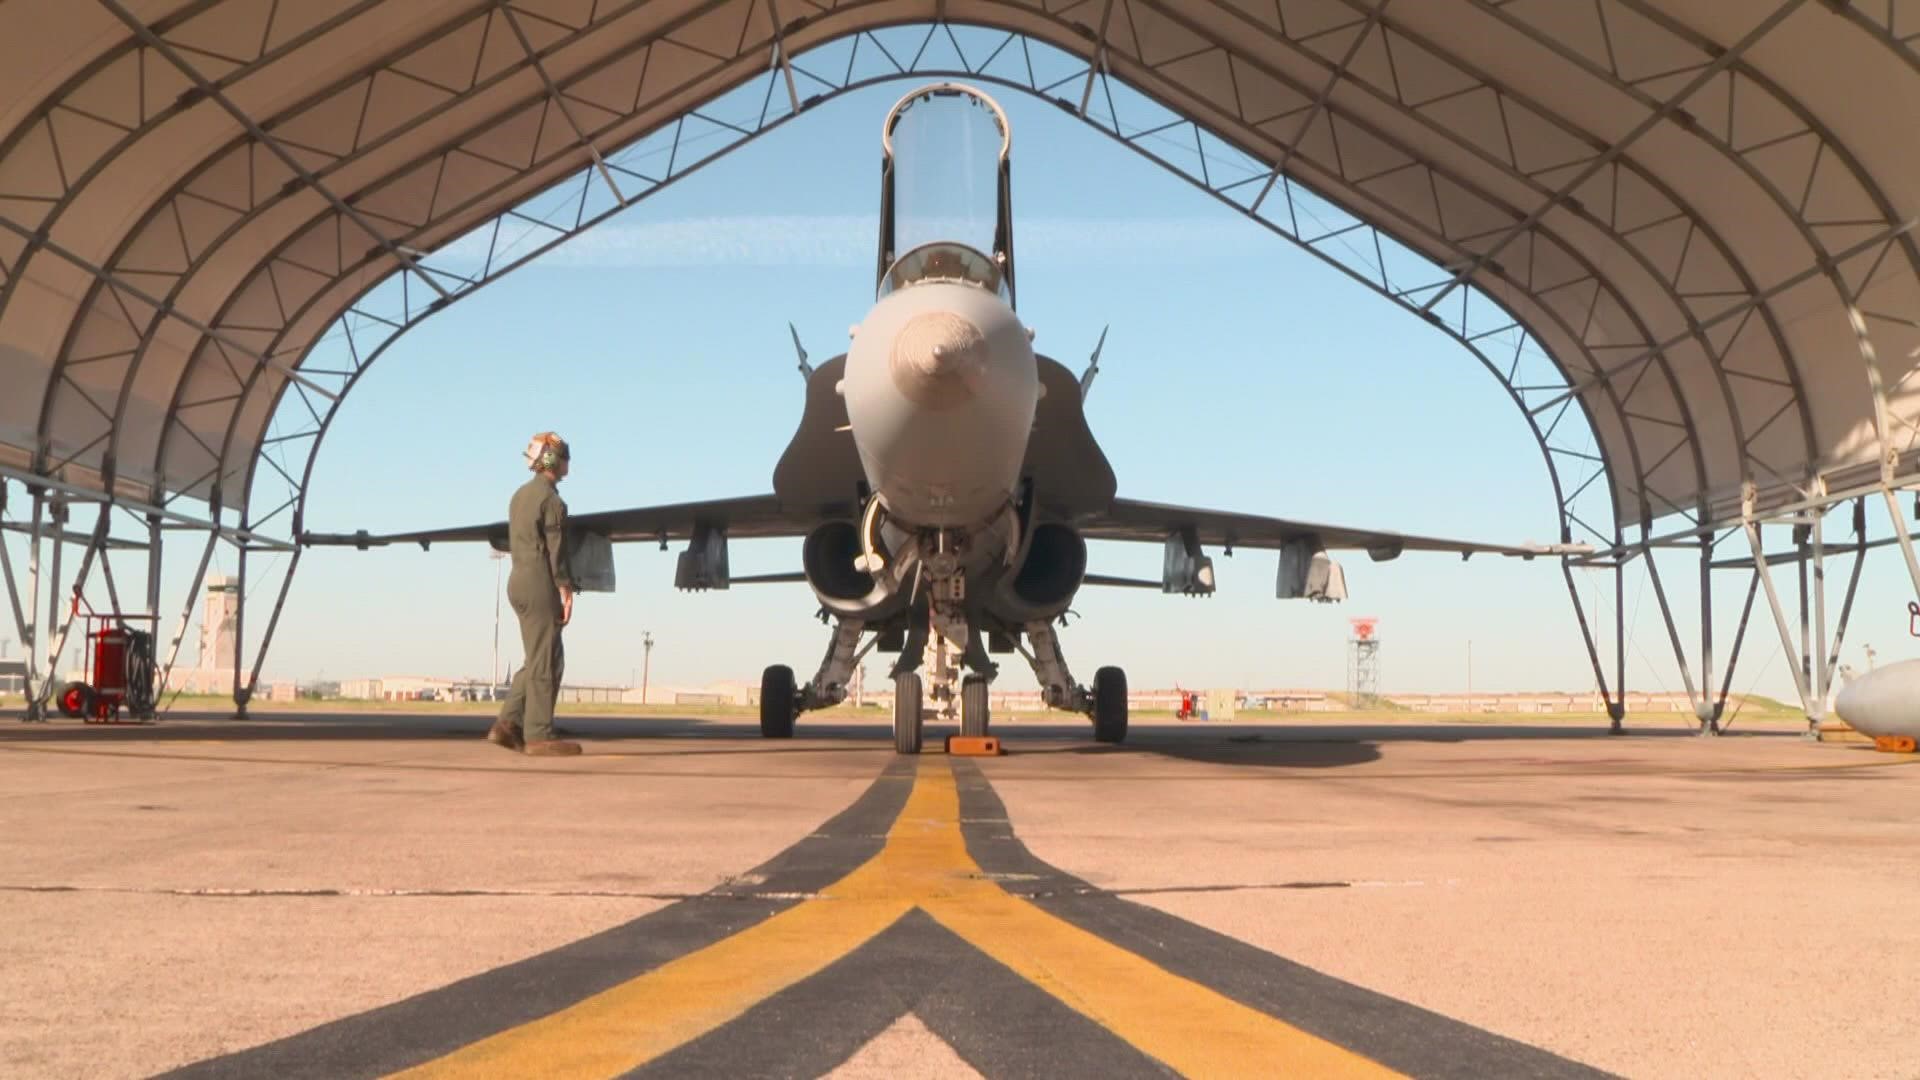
point(940, 387)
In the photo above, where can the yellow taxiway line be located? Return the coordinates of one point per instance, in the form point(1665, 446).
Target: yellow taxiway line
point(924, 864)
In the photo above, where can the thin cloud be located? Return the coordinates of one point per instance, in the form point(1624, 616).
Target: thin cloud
point(848, 241)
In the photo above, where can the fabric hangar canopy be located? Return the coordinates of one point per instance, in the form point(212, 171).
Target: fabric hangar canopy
point(1697, 211)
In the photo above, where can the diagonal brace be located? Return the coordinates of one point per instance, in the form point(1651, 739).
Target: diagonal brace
point(1618, 149)
point(213, 93)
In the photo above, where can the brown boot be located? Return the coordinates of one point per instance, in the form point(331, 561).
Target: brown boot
point(553, 748)
point(505, 735)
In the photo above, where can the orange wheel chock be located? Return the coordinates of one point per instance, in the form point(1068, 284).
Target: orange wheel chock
point(974, 746)
point(1894, 744)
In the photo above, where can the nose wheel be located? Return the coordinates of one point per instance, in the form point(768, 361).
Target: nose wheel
point(974, 716)
point(906, 713)
point(1109, 705)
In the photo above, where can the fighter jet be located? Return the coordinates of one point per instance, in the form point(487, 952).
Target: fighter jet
point(946, 483)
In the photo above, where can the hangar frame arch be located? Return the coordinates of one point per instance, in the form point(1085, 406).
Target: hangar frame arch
point(1680, 344)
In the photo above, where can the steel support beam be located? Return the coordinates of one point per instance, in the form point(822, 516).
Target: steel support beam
point(213, 93)
point(1823, 675)
point(1099, 61)
point(159, 306)
point(13, 585)
point(559, 102)
point(1618, 710)
point(106, 553)
point(1846, 605)
point(59, 642)
point(1800, 538)
point(1733, 661)
point(1904, 537)
point(273, 624)
point(1673, 636)
point(1618, 148)
point(51, 636)
point(1752, 529)
point(240, 693)
point(1319, 105)
point(154, 537)
point(186, 613)
point(1608, 374)
point(1709, 711)
point(780, 54)
point(1593, 649)
point(30, 641)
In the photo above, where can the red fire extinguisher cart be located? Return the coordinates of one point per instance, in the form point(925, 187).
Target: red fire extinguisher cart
point(120, 669)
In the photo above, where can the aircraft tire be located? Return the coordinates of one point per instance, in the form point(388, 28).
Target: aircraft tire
point(1110, 705)
point(974, 714)
point(906, 713)
point(776, 702)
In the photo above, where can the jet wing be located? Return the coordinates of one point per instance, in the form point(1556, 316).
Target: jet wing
point(1129, 519)
point(751, 517)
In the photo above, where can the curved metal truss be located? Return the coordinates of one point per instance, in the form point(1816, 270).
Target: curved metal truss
point(626, 175)
point(1497, 260)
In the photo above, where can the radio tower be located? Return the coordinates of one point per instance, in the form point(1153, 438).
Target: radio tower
point(1363, 664)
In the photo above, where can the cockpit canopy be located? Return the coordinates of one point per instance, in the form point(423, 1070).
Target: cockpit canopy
point(943, 261)
point(945, 191)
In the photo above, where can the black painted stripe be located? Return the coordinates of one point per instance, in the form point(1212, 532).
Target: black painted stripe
point(1396, 1034)
point(994, 1020)
point(438, 1022)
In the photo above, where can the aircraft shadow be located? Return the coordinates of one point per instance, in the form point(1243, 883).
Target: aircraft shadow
point(1275, 745)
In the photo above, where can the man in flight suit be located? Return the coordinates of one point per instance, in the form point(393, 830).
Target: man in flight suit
point(541, 592)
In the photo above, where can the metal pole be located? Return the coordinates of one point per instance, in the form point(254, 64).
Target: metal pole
point(239, 633)
point(154, 533)
point(1824, 674)
point(1617, 710)
point(1801, 535)
point(31, 638)
point(646, 663)
point(57, 518)
point(1710, 712)
point(1846, 604)
point(13, 584)
point(106, 556)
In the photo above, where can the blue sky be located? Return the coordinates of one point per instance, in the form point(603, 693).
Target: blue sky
point(1240, 373)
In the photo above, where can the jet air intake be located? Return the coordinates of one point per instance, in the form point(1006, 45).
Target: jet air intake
point(1050, 573)
point(827, 557)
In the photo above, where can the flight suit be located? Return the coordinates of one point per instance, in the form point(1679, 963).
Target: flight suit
point(537, 538)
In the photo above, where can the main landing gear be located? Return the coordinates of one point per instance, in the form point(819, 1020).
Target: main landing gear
point(781, 702)
point(1105, 703)
point(953, 654)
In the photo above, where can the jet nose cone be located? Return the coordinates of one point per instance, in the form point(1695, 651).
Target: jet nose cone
point(938, 358)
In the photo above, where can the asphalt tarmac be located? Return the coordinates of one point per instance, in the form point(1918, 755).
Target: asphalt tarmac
point(370, 896)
